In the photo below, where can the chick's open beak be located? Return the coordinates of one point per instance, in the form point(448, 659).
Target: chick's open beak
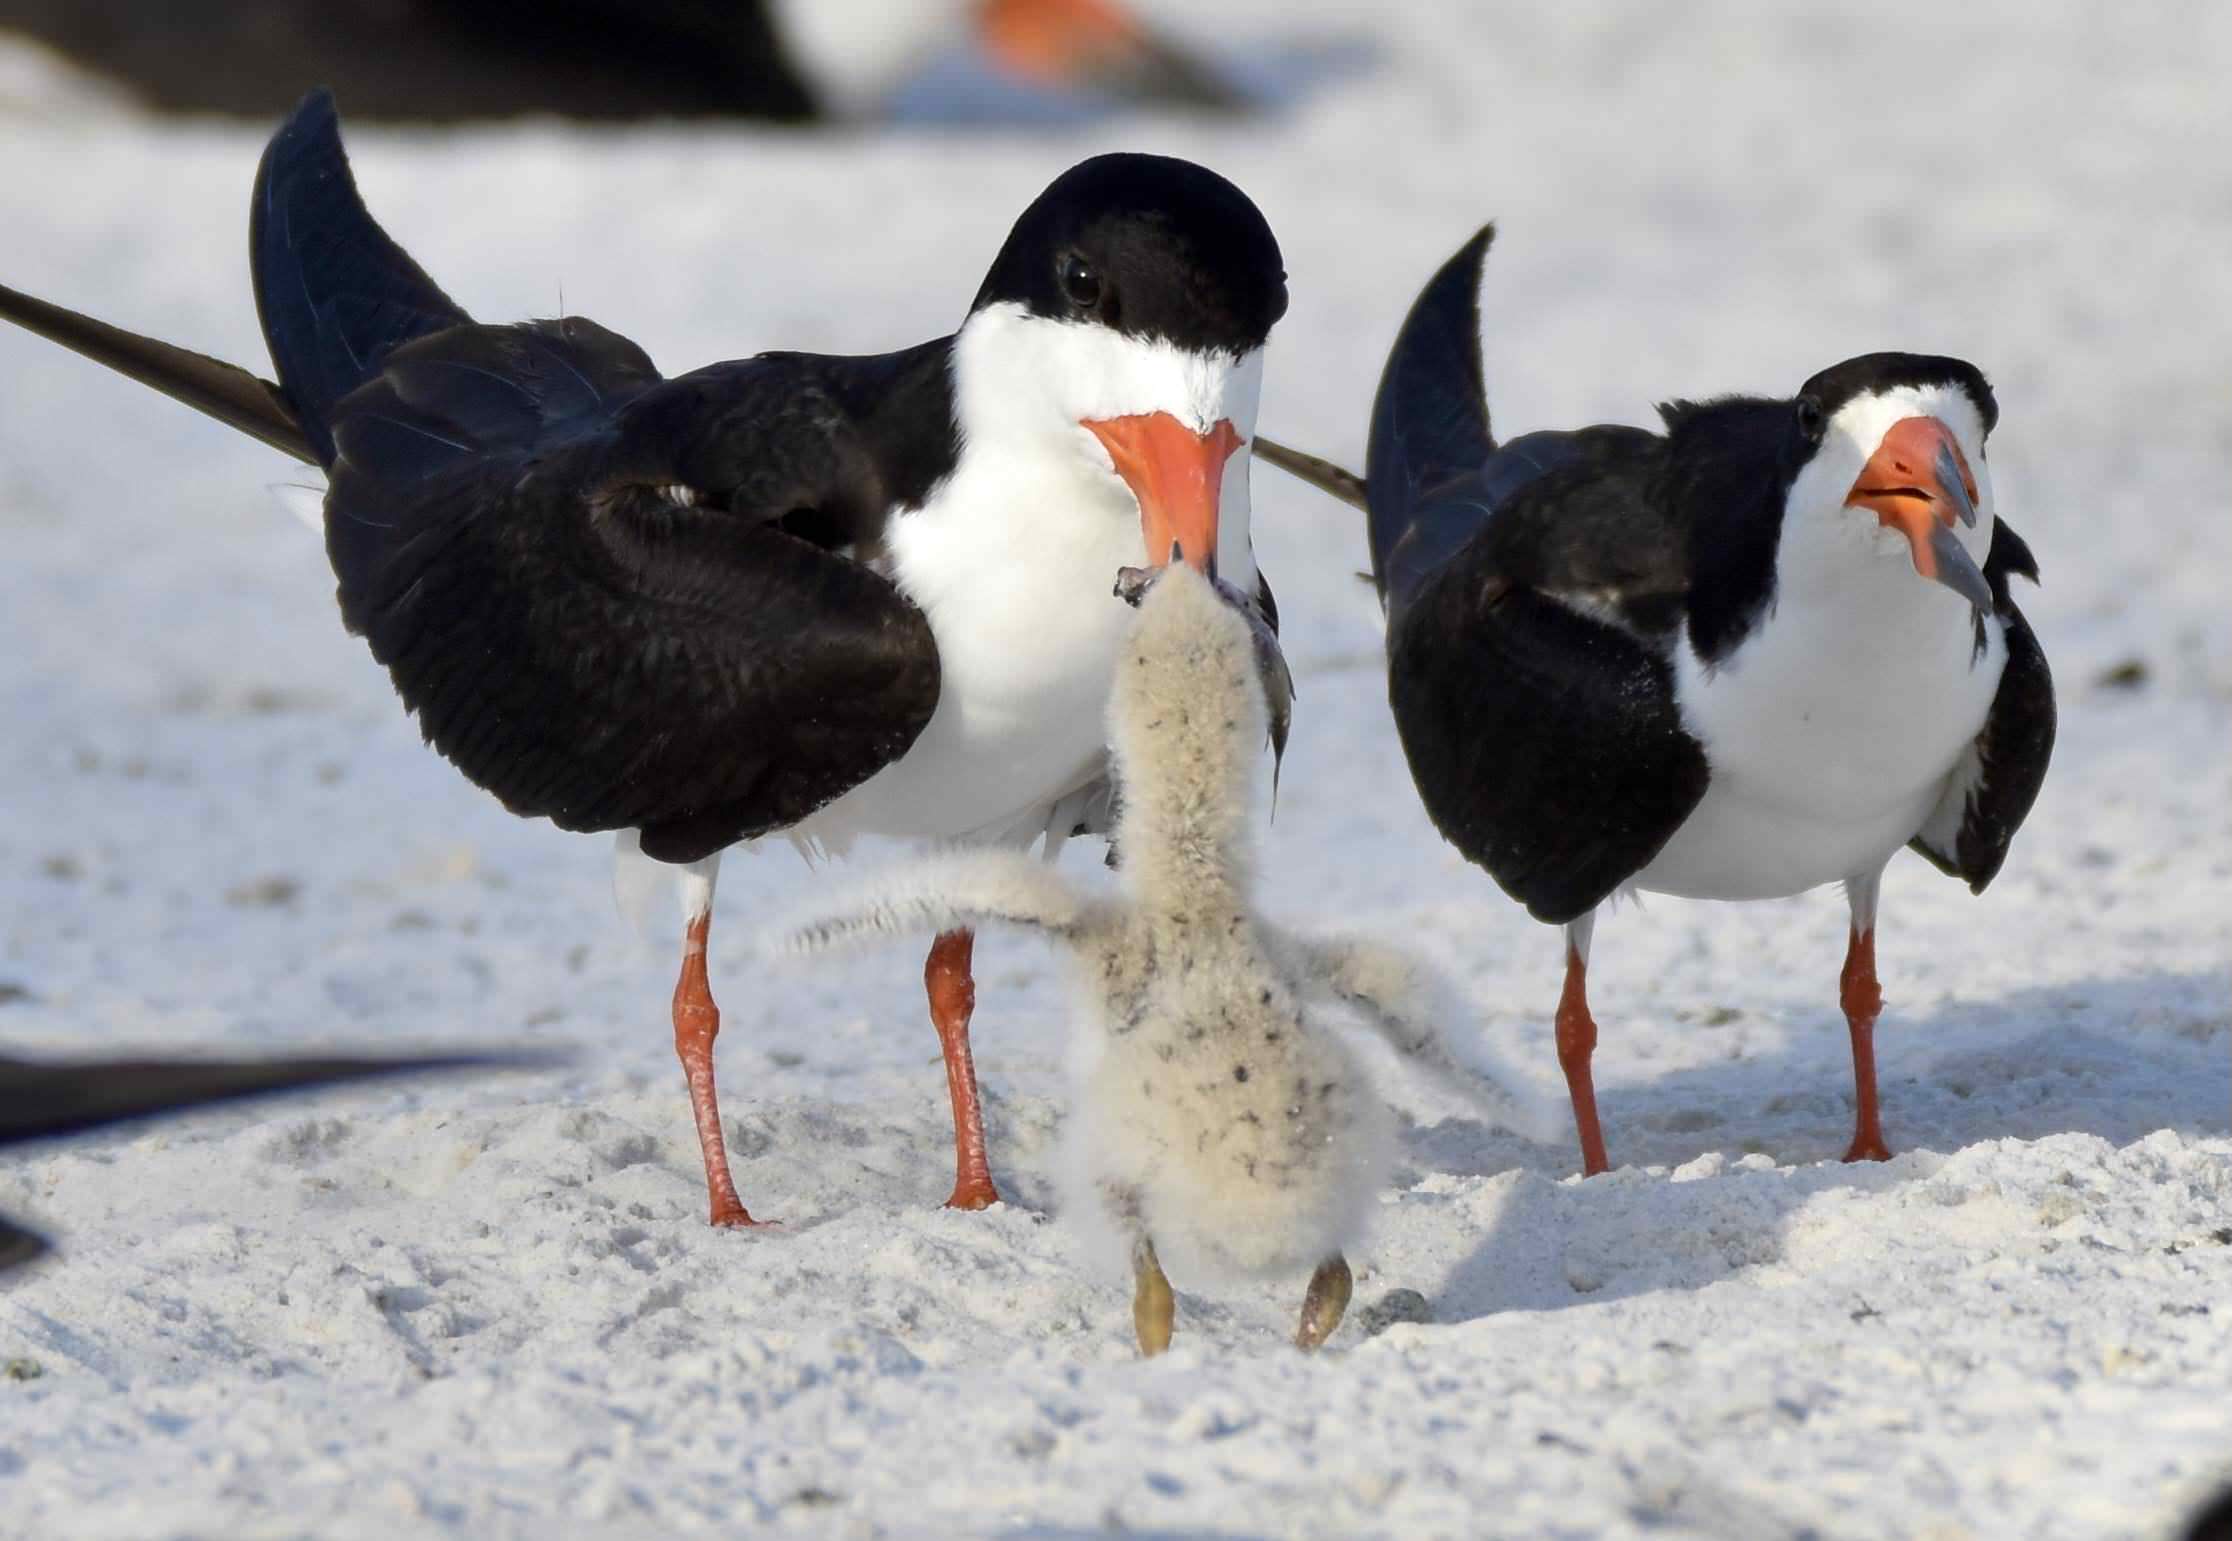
point(1918, 483)
point(1178, 477)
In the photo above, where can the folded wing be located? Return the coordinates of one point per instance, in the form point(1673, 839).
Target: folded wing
point(1533, 589)
point(613, 600)
point(1993, 786)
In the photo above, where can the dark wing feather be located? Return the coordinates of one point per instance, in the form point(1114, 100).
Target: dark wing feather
point(225, 391)
point(1991, 791)
point(503, 517)
point(2009, 557)
point(1332, 479)
point(334, 292)
point(1429, 424)
point(1546, 745)
point(46, 1101)
point(1532, 590)
point(1578, 515)
point(1563, 511)
point(503, 525)
point(1271, 668)
point(499, 515)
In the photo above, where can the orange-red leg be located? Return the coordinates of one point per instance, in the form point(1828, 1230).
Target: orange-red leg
point(952, 991)
point(697, 1022)
point(1577, 1036)
point(1862, 998)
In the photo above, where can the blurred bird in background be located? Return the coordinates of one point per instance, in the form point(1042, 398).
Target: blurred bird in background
point(794, 61)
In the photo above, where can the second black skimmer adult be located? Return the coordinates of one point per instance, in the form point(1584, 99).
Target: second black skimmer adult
point(793, 594)
point(1757, 651)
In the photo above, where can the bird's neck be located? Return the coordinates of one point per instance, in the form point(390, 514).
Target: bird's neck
point(1196, 872)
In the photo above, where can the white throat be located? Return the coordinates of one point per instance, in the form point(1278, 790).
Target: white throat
point(1024, 385)
point(1013, 557)
point(1824, 539)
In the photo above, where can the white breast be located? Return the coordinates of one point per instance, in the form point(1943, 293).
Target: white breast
point(1014, 561)
point(1014, 558)
point(1830, 732)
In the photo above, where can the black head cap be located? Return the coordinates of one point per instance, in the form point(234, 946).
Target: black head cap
point(1876, 372)
point(1154, 247)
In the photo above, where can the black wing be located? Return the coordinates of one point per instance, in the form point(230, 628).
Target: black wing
point(1992, 788)
point(1271, 667)
point(225, 391)
point(1545, 741)
point(1333, 480)
point(1532, 590)
point(614, 600)
point(1429, 424)
point(46, 1101)
point(334, 293)
point(617, 601)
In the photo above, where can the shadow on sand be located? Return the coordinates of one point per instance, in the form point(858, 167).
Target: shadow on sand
point(2116, 1058)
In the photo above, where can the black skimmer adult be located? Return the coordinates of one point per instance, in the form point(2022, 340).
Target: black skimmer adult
point(1753, 653)
point(800, 594)
point(50, 1101)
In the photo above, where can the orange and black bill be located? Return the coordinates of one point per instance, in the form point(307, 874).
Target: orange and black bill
point(1918, 482)
point(1178, 477)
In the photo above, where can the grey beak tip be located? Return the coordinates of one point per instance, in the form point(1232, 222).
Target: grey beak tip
point(1949, 477)
point(1958, 571)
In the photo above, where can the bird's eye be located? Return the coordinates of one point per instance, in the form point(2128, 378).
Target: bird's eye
point(1810, 420)
point(1080, 283)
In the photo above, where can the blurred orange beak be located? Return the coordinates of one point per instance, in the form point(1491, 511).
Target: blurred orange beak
point(1097, 46)
point(1056, 42)
point(1178, 477)
point(1918, 482)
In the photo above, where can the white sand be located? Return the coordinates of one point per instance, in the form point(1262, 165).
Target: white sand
point(493, 1310)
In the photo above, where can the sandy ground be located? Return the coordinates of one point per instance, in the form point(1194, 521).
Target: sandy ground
point(494, 1310)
